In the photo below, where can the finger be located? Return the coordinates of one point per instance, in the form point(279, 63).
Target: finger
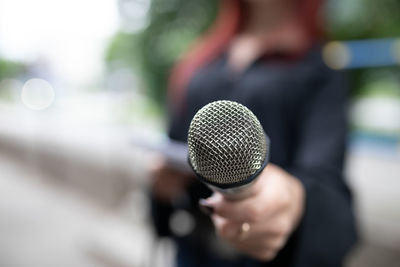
point(262, 254)
point(246, 210)
point(270, 198)
point(232, 231)
point(263, 247)
point(260, 247)
point(278, 224)
point(232, 210)
point(225, 229)
point(258, 244)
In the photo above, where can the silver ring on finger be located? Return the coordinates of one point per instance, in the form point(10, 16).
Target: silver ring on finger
point(244, 231)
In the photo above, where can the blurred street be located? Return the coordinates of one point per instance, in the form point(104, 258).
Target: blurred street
point(92, 213)
point(42, 224)
point(374, 178)
point(73, 201)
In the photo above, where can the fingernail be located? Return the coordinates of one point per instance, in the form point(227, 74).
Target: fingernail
point(205, 207)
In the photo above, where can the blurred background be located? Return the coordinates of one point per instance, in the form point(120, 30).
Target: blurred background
point(80, 80)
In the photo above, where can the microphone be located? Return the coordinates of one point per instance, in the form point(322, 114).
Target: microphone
point(228, 148)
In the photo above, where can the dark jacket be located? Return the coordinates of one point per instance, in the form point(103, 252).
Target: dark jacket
point(301, 105)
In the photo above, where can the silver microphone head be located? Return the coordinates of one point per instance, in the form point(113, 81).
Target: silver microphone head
point(227, 145)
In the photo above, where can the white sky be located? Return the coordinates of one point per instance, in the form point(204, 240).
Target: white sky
point(70, 35)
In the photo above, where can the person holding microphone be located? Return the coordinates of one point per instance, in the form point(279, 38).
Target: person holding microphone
point(266, 55)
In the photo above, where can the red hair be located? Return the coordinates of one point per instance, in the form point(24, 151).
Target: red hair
point(229, 19)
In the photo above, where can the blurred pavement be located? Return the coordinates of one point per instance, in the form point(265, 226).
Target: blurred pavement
point(42, 224)
point(76, 197)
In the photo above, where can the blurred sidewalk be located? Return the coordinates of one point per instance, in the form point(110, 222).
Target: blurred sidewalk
point(72, 195)
point(374, 175)
point(76, 197)
point(44, 225)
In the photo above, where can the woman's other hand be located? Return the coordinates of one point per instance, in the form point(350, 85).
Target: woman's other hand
point(167, 183)
point(260, 224)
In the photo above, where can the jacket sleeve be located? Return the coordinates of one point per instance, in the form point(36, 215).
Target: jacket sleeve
point(327, 229)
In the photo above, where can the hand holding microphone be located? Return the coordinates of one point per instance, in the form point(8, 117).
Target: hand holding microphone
point(256, 204)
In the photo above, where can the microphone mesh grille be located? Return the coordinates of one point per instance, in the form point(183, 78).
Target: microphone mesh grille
point(226, 143)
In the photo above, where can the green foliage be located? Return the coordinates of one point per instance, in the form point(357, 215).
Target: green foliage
point(383, 81)
point(172, 26)
point(10, 69)
point(362, 19)
point(123, 50)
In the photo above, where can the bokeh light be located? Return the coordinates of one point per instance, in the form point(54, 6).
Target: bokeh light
point(181, 223)
point(37, 94)
point(336, 55)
